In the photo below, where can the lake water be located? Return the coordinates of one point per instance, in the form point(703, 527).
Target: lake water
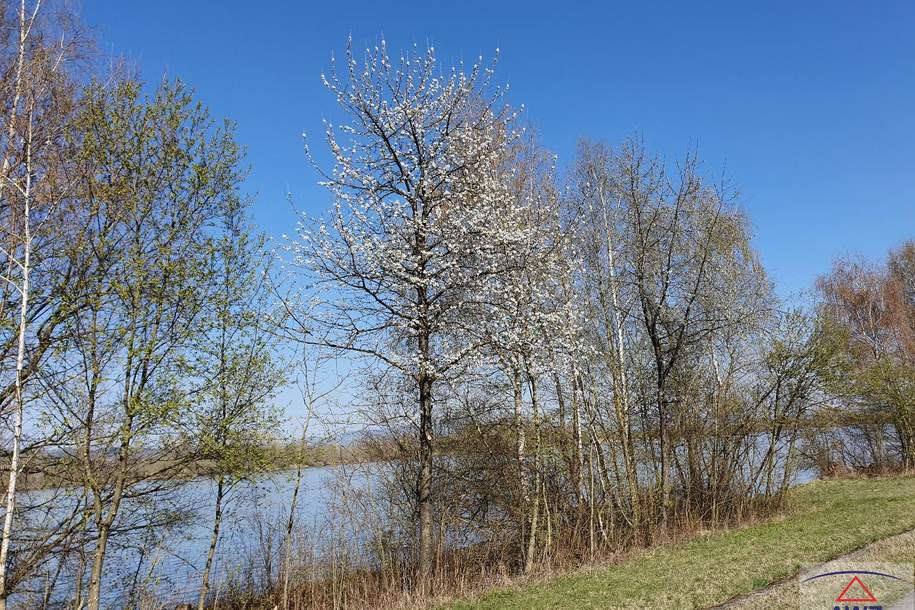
point(170, 565)
point(253, 509)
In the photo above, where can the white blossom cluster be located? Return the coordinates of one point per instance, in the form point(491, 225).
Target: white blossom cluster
point(429, 241)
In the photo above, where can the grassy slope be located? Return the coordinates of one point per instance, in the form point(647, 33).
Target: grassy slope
point(826, 519)
point(881, 555)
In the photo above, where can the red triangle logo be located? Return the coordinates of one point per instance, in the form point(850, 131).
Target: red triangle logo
point(863, 590)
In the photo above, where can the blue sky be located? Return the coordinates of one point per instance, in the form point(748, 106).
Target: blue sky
point(809, 105)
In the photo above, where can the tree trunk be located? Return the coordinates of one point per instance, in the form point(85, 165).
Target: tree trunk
point(17, 431)
point(424, 484)
point(98, 562)
point(23, 323)
point(591, 502)
point(214, 539)
point(105, 523)
point(290, 523)
point(520, 441)
point(621, 391)
point(664, 442)
point(578, 475)
point(535, 509)
point(618, 365)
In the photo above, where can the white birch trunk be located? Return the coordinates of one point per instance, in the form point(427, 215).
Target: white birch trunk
point(23, 318)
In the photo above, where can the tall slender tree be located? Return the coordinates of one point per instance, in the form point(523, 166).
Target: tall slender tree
point(37, 231)
point(235, 360)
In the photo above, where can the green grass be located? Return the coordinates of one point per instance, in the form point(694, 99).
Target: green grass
point(825, 520)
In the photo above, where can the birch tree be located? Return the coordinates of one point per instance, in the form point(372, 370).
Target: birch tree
point(678, 304)
point(598, 209)
point(520, 325)
point(23, 262)
point(34, 239)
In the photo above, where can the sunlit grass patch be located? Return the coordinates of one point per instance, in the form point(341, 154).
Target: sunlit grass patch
point(825, 520)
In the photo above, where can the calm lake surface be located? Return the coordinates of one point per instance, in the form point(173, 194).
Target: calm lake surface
point(171, 565)
point(253, 508)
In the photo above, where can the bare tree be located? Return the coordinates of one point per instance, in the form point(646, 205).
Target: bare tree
point(870, 317)
point(597, 205)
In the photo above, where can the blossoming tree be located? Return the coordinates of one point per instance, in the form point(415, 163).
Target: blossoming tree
point(423, 216)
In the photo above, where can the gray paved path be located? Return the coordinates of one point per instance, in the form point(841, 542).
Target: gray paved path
point(906, 603)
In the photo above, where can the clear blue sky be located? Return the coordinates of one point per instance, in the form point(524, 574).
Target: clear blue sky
point(810, 105)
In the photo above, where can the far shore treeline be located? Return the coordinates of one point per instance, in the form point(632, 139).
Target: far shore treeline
point(278, 457)
point(536, 363)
